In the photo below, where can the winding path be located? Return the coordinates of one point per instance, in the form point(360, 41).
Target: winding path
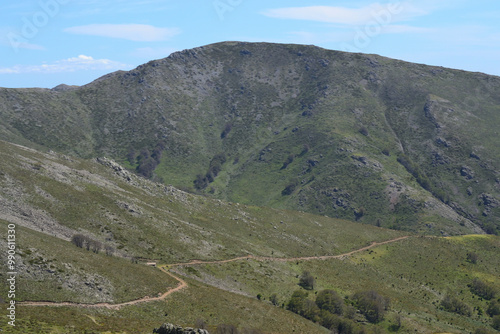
point(182, 284)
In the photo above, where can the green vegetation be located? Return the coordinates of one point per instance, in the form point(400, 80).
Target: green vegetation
point(305, 128)
point(294, 159)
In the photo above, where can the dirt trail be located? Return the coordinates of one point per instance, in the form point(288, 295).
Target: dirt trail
point(182, 284)
point(288, 259)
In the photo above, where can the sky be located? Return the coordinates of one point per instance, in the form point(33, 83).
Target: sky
point(44, 43)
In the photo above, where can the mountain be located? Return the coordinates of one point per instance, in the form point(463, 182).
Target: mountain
point(221, 262)
point(352, 136)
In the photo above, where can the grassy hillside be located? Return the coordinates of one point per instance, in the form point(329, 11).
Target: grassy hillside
point(352, 136)
point(51, 197)
point(416, 274)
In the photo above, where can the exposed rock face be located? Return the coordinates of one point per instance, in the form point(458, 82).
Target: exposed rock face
point(173, 329)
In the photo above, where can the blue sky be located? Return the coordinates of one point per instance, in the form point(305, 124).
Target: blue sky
point(47, 42)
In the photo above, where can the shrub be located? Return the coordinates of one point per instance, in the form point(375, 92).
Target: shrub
point(109, 250)
point(472, 258)
point(288, 161)
point(214, 168)
point(201, 182)
point(95, 246)
point(79, 240)
point(289, 189)
point(482, 331)
point(452, 304)
point(132, 156)
point(227, 129)
point(482, 289)
point(496, 322)
point(274, 299)
point(493, 308)
point(363, 130)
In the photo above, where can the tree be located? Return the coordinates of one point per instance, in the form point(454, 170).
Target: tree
point(296, 302)
point(328, 320)
point(482, 289)
point(274, 299)
point(371, 305)
point(330, 300)
point(146, 167)
point(78, 240)
point(310, 310)
point(307, 281)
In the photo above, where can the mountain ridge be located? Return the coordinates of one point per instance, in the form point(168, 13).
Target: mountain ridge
point(347, 135)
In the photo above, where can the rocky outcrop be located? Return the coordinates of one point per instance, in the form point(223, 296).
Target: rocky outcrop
point(467, 172)
point(489, 203)
point(119, 170)
point(173, 329)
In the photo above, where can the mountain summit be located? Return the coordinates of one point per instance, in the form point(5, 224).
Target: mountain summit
point(354, 136)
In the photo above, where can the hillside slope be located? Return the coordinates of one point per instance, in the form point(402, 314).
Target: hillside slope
point(51, 197)
point(353, 136)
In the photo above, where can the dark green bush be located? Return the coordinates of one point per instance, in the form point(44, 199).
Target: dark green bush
point(452, 304)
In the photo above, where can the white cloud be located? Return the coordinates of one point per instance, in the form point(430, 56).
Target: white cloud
point(132, 32)
point(388, 13)
point(80, 63)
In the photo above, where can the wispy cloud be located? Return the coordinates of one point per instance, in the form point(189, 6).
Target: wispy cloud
point(8, 37)
point(73, 64)
point(131, 32)
point(395, 12)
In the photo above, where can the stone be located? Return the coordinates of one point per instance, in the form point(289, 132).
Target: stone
point(173, 329)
